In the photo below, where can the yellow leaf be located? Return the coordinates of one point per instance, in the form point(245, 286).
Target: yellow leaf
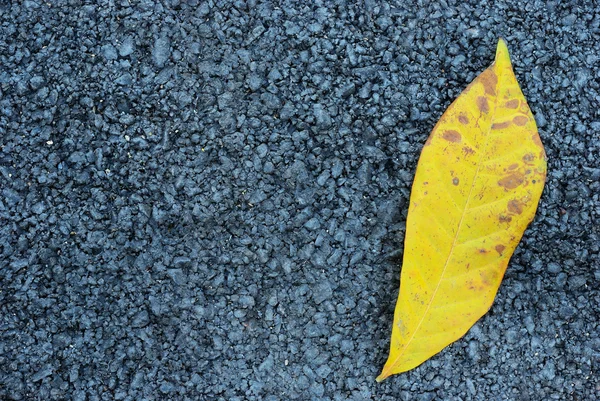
point(478, 182)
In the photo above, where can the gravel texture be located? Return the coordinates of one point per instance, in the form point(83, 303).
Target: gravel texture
point(198, 197)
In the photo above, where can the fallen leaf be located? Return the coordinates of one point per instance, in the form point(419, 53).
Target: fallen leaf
point(478, 182)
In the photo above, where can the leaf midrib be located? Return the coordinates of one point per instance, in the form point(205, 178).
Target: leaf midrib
point(466, 208)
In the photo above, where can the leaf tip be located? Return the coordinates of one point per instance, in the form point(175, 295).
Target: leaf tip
point(502, 56)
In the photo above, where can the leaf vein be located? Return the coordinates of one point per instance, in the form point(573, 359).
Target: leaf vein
point(489, 204)
point(505, 156)
point(434, 215)
point(471, 271)
point(480, 237)
point(446, 305)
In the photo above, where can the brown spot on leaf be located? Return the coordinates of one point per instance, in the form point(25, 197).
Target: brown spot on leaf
point(528, 158)
point(468, 150)
point(463, 119)
point(452, 136)
point(520, 120)
point(503, 125)
point(487, 277)
point(455, 181)
point(500, 248)
point(536, 139)
point(515, 206)
point(483, 250)
point(489, 79)
point(512, 104)
point(482, 104)
point(512, 181)
point(504, 219)
point(513, 166)
point(524, 108)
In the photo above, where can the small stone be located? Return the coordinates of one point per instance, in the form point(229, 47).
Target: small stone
point(182, 262)
point(336, 169)
point(247, 301)
point(44, 372)
point(322, 116)
point(554, 267)
point(576, 282)
point(36, 82)
point(347, 346)
point(322, 292)
point(262, 150)
point(254, 82)
point(161, 51)
point(141, 319)
point(177, 276)
point(268, 167)
point(549, 371)
point(561, 279)
point(126, 47)
point(167, 387)
point(312, 224)
point(109, 52)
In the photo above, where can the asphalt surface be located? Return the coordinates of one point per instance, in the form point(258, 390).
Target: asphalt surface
point(197, 198)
